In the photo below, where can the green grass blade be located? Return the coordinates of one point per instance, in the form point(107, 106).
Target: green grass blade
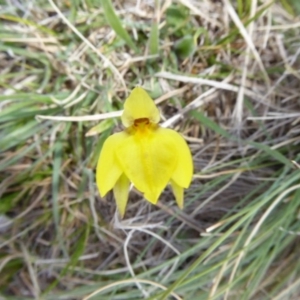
point(207, 122)
point(57, 160)
point(115, 23)
point(215, 127)
point(79, 250)
point(153, 39)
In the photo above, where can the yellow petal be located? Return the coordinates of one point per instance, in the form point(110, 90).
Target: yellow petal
point(108, 169)
point(183, 172)
point(139, 105)
point(149, 161)
point(121, 190)
point(178, 193)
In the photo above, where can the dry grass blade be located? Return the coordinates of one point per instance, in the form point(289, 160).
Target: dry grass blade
point(88, 43)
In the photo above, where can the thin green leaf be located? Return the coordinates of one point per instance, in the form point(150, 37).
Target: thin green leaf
point(207, 122)
point(153, 39)
point(215, 127)
point(101, 127)
point(115, 23)
point(185, 46)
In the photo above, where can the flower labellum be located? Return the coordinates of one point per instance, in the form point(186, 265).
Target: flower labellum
point(145, 154)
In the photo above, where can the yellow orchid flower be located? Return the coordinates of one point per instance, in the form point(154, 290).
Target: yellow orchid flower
point(145, 154)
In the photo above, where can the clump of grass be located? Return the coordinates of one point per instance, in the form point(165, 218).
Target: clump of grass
point(224, 75)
